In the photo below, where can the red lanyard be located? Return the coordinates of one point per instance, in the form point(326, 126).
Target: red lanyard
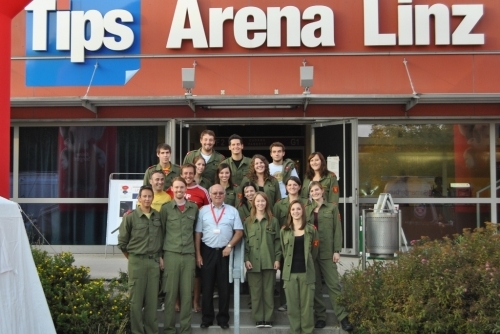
point(217, 220)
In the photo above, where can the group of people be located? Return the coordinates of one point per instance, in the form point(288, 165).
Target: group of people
point(189, 219)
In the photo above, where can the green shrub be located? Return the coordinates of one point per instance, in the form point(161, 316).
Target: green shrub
point(77, 303)
point(441, 286)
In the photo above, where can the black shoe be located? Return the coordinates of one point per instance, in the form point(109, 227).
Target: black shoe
point(320, 324)
point(224, 325)
point(206, 324)
point(268, 324)
point(346, 325)
point(260, 324)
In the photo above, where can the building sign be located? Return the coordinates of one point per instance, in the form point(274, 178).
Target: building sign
point(416, 19)
point(79, 36)
point(69, 38)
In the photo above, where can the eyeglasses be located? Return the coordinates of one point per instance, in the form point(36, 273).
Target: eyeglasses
point(220, 193)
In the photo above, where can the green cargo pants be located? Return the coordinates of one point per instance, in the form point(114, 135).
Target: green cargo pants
point(143, 283)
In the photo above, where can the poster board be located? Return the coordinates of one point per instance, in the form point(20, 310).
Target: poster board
point(122, 198)
point(333, 165)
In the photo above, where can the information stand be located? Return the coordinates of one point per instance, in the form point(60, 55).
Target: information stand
point(122, 199)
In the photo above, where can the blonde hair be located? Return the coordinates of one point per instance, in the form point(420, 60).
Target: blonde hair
point(267, 211)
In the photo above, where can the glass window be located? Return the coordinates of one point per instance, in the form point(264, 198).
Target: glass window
point(75, 162)
point(424, 160)
point(66, 224)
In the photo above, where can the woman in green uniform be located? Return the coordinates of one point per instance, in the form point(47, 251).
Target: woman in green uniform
point(326, 218)
point(280, 211)
point(248, 191)
point(262, 258)
point(200, 164)
point(258, 173)
point(223, 177)
point(317, 171)
point(299, 244)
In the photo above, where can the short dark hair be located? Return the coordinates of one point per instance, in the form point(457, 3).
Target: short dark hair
point(235, 136)
point(163, 146)
point(145, 188)
point(157, 172)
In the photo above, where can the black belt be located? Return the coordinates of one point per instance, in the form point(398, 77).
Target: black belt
point(214, 248)
point(146, 256)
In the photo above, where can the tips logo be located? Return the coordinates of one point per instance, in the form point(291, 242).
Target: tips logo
point(69, 37)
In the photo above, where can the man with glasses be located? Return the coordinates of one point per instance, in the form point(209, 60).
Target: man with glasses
point(218, 230)
point(140, 239)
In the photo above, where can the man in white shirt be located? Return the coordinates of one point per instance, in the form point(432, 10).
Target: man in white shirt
point(279, 168)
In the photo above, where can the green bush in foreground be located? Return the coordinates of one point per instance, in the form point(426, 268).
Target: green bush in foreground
point(441, 286)
point(77, 303)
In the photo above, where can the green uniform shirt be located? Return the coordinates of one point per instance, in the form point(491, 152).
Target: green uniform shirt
point(330, 186)
point(311, 244)
point(271, 188)
point(280, 210)
point(329, 228)
point(140, 235)
point(173, 173)
point(211, 166)
point(179, 227)
point(205, 183)
point(232, 195)
point(262, 246)
point(238, 173)
point(244, 210)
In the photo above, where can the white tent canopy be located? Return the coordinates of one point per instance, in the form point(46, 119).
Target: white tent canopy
point(23, 306)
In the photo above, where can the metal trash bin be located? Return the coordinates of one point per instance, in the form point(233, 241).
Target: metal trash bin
point(382, 233)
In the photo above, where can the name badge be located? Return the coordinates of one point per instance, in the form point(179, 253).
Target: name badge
point(217, 231)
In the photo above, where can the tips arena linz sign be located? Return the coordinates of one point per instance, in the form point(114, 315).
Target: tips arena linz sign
point(69, 37)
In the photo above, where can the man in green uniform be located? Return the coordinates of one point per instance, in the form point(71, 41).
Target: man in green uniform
point(238, 163)
point(140, 238)
point(163, 152)
point(212, 157)
point(178, 219)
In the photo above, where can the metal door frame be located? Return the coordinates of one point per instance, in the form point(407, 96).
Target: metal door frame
point(353, 164)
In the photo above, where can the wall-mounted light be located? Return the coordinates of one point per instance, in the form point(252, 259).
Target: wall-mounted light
point(306, 77)
point(188, 79)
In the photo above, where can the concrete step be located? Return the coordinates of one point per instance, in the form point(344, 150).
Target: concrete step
point(246, 329)
point(245, 301)
point(247, 324)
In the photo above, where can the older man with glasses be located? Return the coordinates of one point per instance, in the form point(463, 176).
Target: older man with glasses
point(218, 230)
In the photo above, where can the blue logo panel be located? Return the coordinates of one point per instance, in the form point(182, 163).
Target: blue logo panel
point(54, 67)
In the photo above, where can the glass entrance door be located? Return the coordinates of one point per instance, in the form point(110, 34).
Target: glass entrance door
point(340, 139)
